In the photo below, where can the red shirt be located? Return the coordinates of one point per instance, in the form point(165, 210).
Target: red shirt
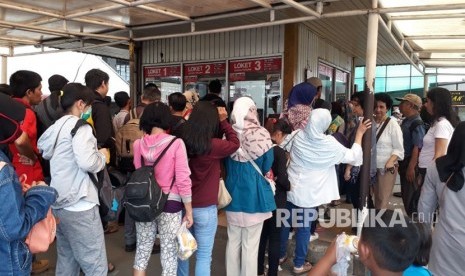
point(205, 169)
point(29, 126)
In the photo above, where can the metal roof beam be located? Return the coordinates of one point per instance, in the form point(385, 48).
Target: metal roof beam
point(301, 8)
point(440, 51)
point(428, 37)
point(56, 32)
point(160, 10)
point(58, 16)
point(72, 49)
point(428, 16)
point(399, 46)
point(441, 7)
point(442, 59)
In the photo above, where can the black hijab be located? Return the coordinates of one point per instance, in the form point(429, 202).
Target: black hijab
point(452, 163)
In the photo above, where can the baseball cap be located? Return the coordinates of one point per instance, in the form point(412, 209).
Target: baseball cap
point(415, 99)
point(315, 82)
point(11, 115)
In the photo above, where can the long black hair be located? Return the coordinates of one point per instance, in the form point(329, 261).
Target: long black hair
point(201, 128)
point(442, 105)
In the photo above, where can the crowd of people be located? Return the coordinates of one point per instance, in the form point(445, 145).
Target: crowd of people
point(70, 148)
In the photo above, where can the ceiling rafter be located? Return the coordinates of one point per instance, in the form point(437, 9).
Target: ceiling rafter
point(428, 16)
point(263, 3)
point(145, 6)
point(301, 8)
point(430, 37)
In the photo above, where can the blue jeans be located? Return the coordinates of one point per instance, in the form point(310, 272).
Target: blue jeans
point(204, 231)
point(302, 232)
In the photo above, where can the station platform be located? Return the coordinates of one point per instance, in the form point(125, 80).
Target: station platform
point(124, 261)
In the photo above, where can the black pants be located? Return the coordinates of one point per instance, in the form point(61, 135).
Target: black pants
point(408, 189)
point(271, 235)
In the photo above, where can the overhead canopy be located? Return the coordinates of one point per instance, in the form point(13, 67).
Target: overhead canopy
point(426, 33)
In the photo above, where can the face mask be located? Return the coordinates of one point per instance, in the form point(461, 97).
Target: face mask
point(86, 115)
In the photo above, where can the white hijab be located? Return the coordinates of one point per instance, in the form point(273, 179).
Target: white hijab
point(255, 139)
point(314, 149)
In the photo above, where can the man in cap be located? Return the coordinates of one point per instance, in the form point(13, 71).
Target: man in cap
point(318, 84)
point(413, 131)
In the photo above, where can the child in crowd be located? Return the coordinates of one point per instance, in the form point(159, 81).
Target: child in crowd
point(387, 246)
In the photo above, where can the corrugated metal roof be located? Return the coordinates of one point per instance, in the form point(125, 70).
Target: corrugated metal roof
point(78, 24)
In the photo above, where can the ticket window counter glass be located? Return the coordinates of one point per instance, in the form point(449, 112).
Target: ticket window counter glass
point(341, 85)
point(197, 77)
point(259, 79)
point(166, 78)
point(325, 74)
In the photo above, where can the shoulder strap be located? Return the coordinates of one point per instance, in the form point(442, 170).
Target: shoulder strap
point(163, 152)
point(382, 129)
point(159, 158)
point(79, 124)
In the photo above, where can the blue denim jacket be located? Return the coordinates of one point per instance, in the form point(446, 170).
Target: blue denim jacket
point(18, 214)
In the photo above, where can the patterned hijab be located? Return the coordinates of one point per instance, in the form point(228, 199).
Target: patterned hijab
point(255, 139)
point(298, 106)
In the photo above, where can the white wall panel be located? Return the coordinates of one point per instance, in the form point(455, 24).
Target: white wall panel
point(312, 48)
point(237, 44)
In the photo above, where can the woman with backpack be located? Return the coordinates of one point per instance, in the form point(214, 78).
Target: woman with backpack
point(74, 159)
point(172, 170)
point(206, 152)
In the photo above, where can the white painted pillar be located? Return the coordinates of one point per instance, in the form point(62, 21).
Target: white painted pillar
point(425, 84)
point(4, 69)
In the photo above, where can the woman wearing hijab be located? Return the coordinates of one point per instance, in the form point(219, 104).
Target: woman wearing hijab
point(252, 196)
point(313, 179)
point(443, 186)
point(299, 104)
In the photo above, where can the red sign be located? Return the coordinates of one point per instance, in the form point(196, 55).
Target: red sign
point(236, 76)
point(218, 68)
point(162, 71)
point(190, 79)
point(326, 70)
point(255, 65)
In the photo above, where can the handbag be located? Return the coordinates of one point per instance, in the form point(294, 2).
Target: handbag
point(268, 179)
point(224, 198)
point(43, 232)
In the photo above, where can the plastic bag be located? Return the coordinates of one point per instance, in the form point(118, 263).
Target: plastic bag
point(187, 244)
point(345, 245)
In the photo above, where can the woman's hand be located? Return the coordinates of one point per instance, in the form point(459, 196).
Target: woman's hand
point(347, 174)
point(389, 166)
point(190, 220)
point(363, 126)
point(222, 113)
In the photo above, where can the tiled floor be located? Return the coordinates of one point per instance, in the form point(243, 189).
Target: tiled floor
point(124, 260)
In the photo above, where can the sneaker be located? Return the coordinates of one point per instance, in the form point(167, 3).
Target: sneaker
point(314, 237)
point(303, 269)
point(39, 266)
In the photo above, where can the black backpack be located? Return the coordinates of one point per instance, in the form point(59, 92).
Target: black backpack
point(144, 200)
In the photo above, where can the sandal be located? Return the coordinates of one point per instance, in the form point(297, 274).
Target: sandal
point(111, 267)
point(303, 269)
point(282, 260)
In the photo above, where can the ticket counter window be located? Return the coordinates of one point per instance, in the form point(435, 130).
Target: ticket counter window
point(259, 79)
point(197, 76)
point(325, 73)
point(166, 78)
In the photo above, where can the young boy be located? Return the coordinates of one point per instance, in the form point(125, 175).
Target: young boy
point(387, 246)
point(123, 101)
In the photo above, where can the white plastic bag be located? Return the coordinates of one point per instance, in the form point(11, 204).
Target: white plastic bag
point(345, 245)
point(186, 242)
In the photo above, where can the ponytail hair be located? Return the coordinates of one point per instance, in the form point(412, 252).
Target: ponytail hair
point(73, 92)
